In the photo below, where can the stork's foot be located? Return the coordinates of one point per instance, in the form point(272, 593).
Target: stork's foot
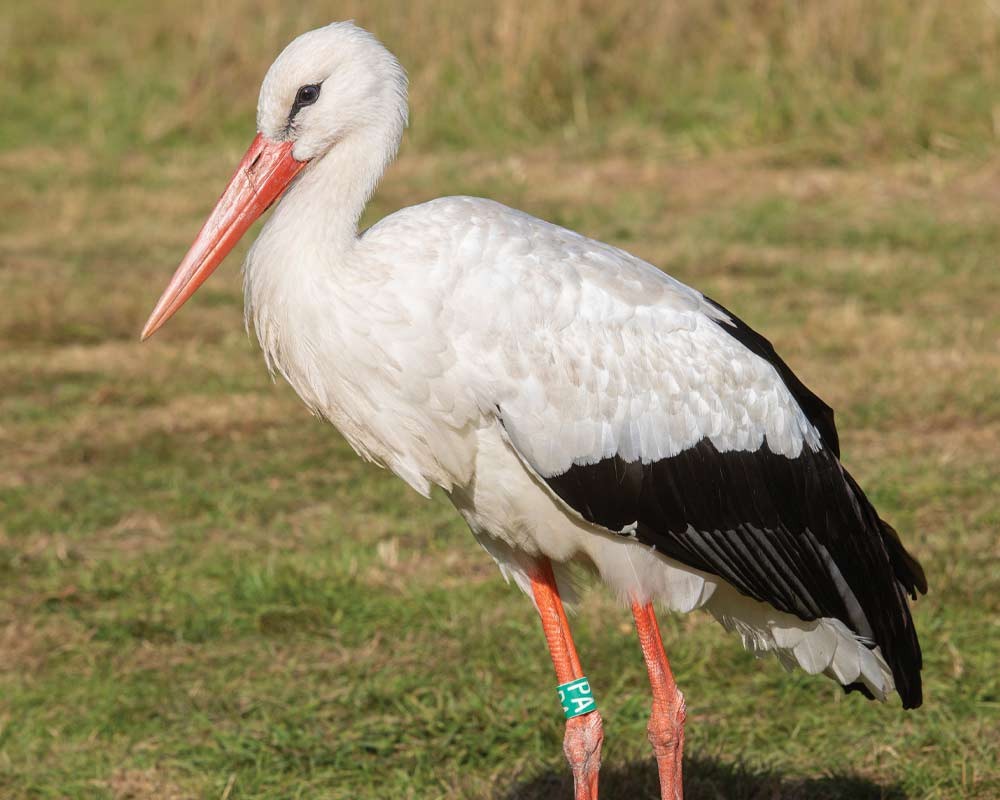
point(666, 734)
point(666, 723)
point(582, 746)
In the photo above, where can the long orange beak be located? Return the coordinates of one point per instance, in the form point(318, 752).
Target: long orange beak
point(263, 174)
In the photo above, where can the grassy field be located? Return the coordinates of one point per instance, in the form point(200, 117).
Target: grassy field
point(203, 593)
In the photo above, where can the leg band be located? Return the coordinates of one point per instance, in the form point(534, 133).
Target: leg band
point(576, 698)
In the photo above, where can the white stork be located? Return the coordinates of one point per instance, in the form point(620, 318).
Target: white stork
point(577, 405)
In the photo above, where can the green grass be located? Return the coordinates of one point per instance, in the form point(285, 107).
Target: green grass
point(204, 593)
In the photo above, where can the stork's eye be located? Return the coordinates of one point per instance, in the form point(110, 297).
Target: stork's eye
point(307, 95)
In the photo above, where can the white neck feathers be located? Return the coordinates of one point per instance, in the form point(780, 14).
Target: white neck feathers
point(303, 255)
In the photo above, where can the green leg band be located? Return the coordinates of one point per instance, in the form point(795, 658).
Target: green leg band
point(576, 698)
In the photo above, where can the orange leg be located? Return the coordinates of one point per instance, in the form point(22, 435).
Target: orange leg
point(584, 734)
point(666, 723)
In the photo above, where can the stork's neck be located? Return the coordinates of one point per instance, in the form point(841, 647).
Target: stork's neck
point(298, 275)
point(322, 208)
point(311, 234)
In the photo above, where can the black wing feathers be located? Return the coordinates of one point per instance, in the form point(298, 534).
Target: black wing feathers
point(797, 533)
point(793, 532)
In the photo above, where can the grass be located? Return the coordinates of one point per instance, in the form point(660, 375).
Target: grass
point(203, 593)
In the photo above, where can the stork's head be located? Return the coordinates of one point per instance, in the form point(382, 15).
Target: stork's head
point(328, 86)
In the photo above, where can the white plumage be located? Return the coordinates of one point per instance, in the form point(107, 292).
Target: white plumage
point(588, 350)
point(466, 345)
point(412, 337)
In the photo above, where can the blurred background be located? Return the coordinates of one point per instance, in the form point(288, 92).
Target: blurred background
point(203, 593)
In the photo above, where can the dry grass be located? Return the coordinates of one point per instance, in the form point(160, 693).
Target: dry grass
point(146, 783)
point(841, 78)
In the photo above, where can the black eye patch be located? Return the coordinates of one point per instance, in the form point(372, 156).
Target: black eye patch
point(305, 96)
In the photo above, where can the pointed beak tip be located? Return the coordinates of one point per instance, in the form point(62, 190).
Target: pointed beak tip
point(262, 176)
point(148, 329)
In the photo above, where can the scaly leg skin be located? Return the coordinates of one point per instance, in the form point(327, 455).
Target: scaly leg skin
point(584, 734)
point(666, 723)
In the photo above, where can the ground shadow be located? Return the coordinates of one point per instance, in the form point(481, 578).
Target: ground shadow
point(704, 779)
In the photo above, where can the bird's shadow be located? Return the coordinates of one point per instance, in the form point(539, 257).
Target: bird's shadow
point(704, 779)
